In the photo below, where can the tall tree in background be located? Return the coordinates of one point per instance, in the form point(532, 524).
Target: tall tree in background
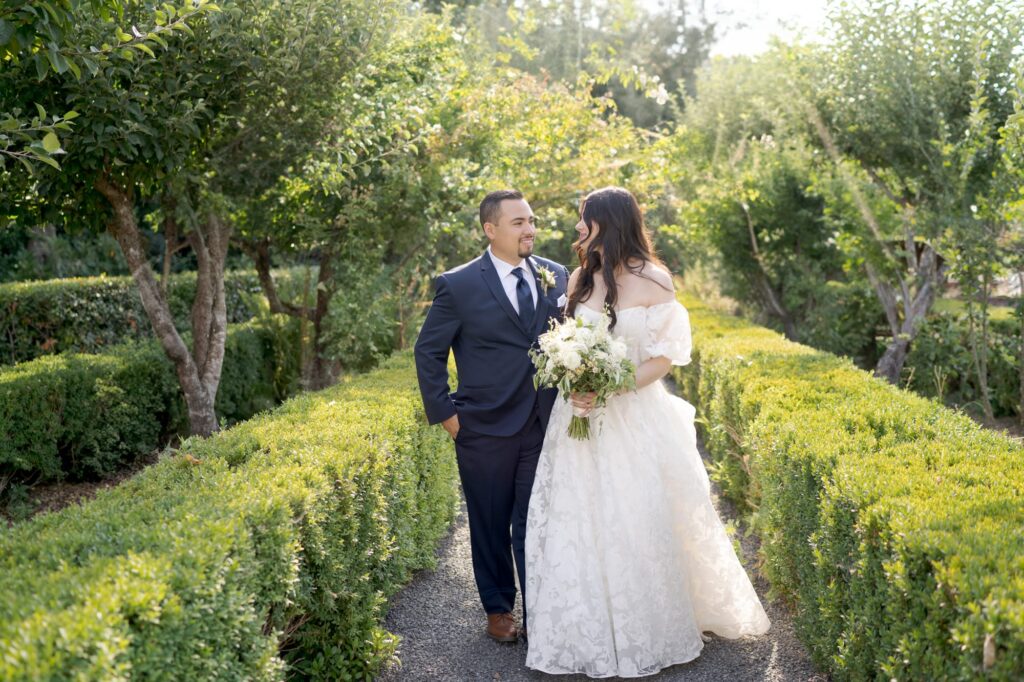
point(893, 110)
point(390, 199)
point(645, 59)
point(1011, 203)
point(363, 198)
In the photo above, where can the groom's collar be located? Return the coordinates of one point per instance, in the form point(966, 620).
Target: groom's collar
point(505, 269)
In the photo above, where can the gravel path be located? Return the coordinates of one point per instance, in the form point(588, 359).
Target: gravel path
point(441, 623)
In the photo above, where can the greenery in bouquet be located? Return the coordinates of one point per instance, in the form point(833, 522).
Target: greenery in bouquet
point(578, 357)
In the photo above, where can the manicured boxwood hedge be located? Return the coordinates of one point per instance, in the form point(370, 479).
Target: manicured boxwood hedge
point(79, 416)
point(284, 534)
point(88, 315)
point(894, 525)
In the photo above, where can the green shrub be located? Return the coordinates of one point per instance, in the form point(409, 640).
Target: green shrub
point(88, 315)
point(286, 533)
point(843, 321)
point(83, 416)
point(891, 523)
point(940, 363)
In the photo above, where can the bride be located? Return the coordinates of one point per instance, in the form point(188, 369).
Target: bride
point(627, 562)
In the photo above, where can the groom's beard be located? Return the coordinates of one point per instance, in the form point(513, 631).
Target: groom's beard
point(525, 250)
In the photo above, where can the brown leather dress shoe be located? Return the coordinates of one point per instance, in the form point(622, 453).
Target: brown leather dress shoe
point(501, 627)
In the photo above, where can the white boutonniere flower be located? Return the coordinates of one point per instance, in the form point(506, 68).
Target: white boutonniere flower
point(547, 278)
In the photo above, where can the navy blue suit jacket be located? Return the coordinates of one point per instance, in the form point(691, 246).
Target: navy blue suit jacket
point(472, 316)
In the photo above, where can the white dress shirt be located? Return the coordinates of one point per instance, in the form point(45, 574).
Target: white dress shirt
point(509, 280)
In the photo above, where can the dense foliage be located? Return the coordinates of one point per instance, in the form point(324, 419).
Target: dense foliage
point(857, 179)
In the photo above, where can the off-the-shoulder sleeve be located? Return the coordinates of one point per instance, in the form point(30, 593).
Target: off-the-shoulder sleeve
point(668, 333)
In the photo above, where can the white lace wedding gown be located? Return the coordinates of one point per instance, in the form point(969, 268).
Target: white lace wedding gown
point(627, 561)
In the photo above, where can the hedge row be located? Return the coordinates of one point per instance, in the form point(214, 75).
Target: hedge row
point(88, 315)
point(284, 534)
point(82, 416)
point(892, 523)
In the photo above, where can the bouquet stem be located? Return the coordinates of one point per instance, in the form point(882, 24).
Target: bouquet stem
point(579, 428)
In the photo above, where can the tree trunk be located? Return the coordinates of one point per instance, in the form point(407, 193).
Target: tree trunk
point(319, 372)
point(323, 371)
point(904, 327)
point(890, 365)
point(979, 348)
point(40, 244)
point(209, 309)
point(124, 228)
point(172, 244)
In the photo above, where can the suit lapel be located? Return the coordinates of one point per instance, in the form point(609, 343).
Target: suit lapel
point(540, 319)
point(490, 276)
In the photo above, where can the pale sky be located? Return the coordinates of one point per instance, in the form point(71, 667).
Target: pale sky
point(762, 19)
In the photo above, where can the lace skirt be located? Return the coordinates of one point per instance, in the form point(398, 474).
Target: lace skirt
point(627, 562)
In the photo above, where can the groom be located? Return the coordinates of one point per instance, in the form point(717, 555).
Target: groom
point(490, 311)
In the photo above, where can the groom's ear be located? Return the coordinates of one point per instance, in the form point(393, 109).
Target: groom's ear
point(489, 230)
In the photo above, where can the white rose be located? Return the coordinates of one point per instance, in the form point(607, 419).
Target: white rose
point(571, 360)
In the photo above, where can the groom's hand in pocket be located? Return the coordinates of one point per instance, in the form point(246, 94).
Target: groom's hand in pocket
point(451, 425)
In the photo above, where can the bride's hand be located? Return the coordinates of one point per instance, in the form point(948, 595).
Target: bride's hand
point(583, 402)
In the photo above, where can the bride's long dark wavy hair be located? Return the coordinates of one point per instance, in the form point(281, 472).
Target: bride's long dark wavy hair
point(622, 238)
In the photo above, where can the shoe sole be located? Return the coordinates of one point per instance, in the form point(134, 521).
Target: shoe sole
point(506, 640)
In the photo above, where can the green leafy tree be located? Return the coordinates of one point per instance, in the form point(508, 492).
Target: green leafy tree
point(363, 200)
point(42, 37)
point(745, 197)
point(892, 104)
point(391, 198)
point(1011, 203)
point(642, 57)
point(174, 142)
point(769, 230)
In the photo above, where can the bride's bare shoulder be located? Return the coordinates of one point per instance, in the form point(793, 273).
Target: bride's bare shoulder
point(651, 285)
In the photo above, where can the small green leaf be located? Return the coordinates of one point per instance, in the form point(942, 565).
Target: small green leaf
point(41, 64)
point(51, 143)
point(142, 47)
point(49, 161)
point(57, 61)
point(6, 31)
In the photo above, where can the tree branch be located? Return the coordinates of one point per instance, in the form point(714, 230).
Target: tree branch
point(259, 252)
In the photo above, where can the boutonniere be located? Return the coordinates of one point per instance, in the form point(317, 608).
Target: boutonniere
point(547, 278)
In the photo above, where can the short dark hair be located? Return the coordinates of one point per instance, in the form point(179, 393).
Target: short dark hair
point(490, 207)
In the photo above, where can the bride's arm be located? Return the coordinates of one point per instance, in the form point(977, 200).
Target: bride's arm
point(650, 371)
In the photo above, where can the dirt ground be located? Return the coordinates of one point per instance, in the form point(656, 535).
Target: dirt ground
point(56, 496)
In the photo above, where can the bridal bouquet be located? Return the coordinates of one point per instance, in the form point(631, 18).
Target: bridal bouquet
point(577, 357)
